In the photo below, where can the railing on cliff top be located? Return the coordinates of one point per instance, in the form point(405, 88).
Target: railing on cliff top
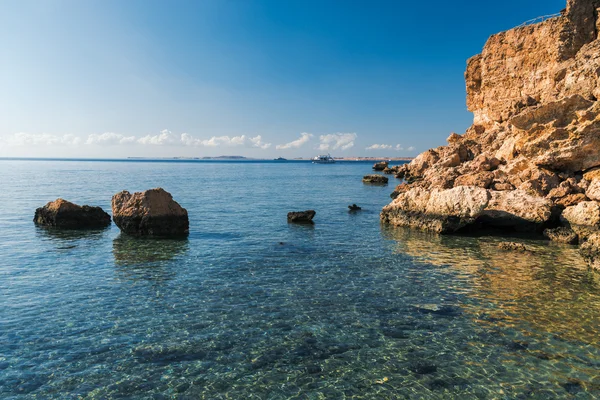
point(539, 19)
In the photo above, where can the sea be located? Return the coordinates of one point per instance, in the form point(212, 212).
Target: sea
point(252, 307)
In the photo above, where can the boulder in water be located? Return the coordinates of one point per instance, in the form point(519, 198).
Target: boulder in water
point(301, 216)
point(150, 213)
point(380, 166)
point(64, 214)
point(376, 179)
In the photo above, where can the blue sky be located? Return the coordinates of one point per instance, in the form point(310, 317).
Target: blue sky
point(259, 78)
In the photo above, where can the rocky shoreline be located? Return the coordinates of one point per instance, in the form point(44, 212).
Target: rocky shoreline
point(531, 160)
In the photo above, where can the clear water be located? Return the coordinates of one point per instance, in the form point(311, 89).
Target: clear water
point(250, 307)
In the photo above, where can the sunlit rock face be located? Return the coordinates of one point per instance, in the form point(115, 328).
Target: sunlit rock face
point(534, 145)
point(64, 214)
point(152, 213)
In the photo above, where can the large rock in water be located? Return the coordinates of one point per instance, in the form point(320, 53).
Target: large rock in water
point(150, 213)
point(534, 145)
point(64, 214)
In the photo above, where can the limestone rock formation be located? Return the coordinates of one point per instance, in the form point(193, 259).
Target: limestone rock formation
point(534, 145)
point(380, 166)
point(376, 179)
point(150, 213)
point(64, 214)
point(302, 217)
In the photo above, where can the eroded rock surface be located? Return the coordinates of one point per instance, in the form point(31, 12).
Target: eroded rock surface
point(151, 213)
point(534, 145)
point(64, 214)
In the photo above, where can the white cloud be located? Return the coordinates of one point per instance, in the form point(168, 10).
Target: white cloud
point(336, 141)
point(109, 139)
point(379, 147)
point(304, 138)
point(257, 142)
point(165, 137)
point(42, 139)
point(217, 141)
point(397, 147)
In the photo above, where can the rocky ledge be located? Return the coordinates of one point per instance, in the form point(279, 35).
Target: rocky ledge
point(64, 214)
point(531, 159)
point(151, 213)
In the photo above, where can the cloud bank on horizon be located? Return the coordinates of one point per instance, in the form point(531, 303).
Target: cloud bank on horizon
point(338, 142)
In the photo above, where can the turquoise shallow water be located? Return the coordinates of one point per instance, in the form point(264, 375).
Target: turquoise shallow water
point(251, 307)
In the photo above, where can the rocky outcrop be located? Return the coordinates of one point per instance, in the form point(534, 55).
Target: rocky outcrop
point(302, 217)
point(375, 179)
point(151, 213)
point(534, 146)
point(380, 166)
point(64, 214)
point(441, 211)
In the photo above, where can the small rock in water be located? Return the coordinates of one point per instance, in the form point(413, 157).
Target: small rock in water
point(301, 216)
point(512, 246)
point(562, 235)
point(375, 179)
point(354, 207)
point(380, 166)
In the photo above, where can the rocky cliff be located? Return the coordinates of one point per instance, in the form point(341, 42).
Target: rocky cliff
point(533, 151)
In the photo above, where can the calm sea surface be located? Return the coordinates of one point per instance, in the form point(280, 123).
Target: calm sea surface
point(249, 307)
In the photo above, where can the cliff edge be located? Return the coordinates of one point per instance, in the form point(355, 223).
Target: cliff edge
point(532, 154)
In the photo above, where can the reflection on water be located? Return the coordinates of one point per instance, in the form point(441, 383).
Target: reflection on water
point(551, 290)
point(65, 236)
point(144, 258)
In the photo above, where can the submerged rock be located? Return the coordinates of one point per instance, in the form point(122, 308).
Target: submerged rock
point(376, 179)
point(64, 214)
point(590, 250)
point(149, 213)
point(301, 216)
point(512, 246)
point(562, 235)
